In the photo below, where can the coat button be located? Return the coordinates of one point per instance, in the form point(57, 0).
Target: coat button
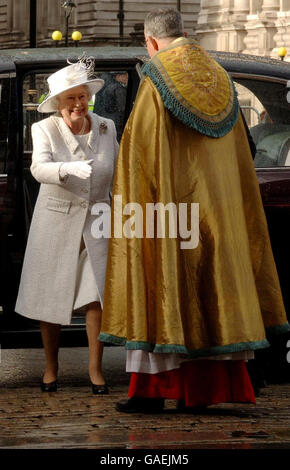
point(84, 204)
point(84, 190)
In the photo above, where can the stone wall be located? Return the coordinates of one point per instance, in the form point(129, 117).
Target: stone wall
point(250, 26)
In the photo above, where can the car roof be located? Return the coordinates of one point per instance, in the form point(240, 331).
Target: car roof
point(47, 57)
point(252, 64)
point(59, 55)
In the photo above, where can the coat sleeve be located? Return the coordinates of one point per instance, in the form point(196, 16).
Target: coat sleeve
point(43, 168)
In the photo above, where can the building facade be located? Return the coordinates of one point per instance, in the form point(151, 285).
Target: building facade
point(98, 21)
point(250, 26)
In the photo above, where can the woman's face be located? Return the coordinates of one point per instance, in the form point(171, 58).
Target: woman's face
point(74, 104)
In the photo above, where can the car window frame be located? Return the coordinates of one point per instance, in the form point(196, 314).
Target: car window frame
point(262, 78)
point(99, 67)
point(9, 76)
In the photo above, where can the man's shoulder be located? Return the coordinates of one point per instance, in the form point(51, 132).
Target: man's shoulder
point(148, 92)
point(147, 85)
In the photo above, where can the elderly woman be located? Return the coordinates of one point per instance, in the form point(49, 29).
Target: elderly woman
point(74, 154)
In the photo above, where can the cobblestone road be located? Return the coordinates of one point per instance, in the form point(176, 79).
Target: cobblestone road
point(74, 418)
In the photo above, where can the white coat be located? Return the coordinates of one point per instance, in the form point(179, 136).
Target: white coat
point(60, 218)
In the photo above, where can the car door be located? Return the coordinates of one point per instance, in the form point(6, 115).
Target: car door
point(265, 104)
point(8, 152)
point(115, 102)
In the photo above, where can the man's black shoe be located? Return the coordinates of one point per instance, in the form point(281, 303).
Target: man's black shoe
point(141, 405)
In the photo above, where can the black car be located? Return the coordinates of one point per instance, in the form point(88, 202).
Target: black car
point(262, 86)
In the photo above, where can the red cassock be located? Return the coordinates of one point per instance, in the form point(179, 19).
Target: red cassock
point(197, 383)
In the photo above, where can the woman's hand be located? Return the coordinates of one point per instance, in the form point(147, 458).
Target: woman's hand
point(81, 169)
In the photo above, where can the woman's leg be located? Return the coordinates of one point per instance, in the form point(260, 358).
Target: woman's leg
point(50, 333)
point(93, 324)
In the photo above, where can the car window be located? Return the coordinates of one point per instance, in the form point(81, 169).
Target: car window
point(267, 112)
point(110, 102)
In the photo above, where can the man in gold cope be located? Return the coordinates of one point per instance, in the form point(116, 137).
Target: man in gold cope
point(189, 318)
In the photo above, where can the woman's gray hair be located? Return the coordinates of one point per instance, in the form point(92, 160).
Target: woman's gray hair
point(164, 23)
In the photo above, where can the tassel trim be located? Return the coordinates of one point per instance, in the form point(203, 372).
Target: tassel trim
point(178, 348)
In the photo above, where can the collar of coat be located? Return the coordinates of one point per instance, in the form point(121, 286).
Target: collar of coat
point(68, 136)
point(194, 87)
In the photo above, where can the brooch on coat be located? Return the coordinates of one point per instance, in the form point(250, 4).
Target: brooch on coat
point(103, 128)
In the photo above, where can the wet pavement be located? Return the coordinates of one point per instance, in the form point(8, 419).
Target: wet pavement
point(73, 418)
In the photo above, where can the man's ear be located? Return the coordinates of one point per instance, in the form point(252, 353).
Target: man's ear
point(185, 34)
point(153, 43)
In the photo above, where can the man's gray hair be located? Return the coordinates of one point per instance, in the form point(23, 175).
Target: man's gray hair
point(164, 23)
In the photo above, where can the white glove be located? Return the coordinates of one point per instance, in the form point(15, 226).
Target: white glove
point(82, 169)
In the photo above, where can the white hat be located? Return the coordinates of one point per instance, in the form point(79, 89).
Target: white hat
point(64, 79)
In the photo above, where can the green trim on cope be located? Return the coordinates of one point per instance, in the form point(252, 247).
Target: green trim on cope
point(277, 330)
point(178, 348)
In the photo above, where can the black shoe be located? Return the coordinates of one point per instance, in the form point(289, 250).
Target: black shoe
point(100, 389)
point(49, 387)
point(190, 409)
point(141, 405)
